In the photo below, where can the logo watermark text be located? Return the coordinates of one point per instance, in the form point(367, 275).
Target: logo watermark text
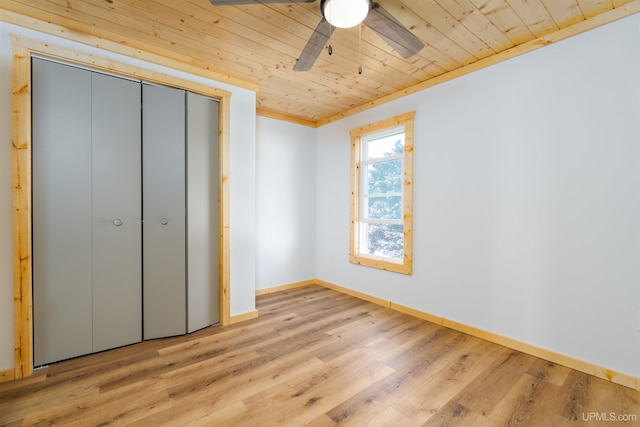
point(608, 416)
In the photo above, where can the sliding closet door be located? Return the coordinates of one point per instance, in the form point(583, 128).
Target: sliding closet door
point(164, 253)
point(117, 229)
point(202, 212)
point(61, 197)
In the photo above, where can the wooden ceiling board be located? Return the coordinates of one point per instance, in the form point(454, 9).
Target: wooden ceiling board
point(260, 43)
point(535, 16)
point(451, 28)
point(503, 17)
point(592, 8)
point(477, 23)
point(564, 13)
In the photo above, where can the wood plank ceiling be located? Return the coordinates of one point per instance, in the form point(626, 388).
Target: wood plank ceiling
point(259, 43)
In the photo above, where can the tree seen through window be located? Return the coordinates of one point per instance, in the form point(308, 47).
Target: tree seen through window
point(382, 193)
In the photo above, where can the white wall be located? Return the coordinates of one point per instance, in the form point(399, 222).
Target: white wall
point(526, 202)
point(285, 203)
point(243, 137)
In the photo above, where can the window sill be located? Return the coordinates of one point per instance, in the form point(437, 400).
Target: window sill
point(382, 264)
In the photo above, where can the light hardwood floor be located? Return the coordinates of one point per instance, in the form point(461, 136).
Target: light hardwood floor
point(321, 358)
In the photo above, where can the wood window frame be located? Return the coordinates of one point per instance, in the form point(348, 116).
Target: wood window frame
point(23, 50)
point(406, 265)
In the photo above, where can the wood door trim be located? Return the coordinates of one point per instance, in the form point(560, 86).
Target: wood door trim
point(23, 49)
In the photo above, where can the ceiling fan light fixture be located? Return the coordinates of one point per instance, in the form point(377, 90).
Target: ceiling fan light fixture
point(345, 13)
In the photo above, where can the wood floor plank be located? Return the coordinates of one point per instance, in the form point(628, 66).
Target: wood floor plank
point(549, 371)
point(319, 358)
point(183, 414)
point(573, 396)
point(304, 399)
point(417, 390)
point(440, 384)
point(150, 396)
point(499, 377)
point(522, 403)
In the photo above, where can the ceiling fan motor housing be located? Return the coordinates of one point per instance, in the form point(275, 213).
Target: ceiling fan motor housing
point(345, 13)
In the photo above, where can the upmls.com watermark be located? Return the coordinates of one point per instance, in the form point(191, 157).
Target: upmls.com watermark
point(608, 416)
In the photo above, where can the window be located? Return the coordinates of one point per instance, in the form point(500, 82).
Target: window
point(382, 194)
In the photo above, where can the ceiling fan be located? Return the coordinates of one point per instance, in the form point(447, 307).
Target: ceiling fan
point(345, 14)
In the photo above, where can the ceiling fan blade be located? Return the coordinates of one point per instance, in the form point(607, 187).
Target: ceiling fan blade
point(314, 46)
point(393, 32)
point(236, 2)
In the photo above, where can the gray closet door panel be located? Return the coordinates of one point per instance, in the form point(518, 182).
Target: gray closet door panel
point(117, 213)
point(164, 268)
point(202, 212)
point(62, 308)
point(121, 253)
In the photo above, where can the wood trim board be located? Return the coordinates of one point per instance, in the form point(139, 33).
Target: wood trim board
point(285, 287)
point(7, 375)
point(23, 49)
point(404, 266)
point(552, 356)
point(243, 317)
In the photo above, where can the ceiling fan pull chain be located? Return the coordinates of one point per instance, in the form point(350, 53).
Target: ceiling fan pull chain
point(330, 49)
point(360, 49)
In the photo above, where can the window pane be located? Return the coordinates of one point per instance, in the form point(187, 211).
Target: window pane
point(384, 207)
point(390, 145)
point(384, 240)
point(382, 194)
point(383, 177)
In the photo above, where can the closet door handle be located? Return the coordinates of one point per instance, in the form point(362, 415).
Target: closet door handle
point(117, 222)
point(164, 221)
